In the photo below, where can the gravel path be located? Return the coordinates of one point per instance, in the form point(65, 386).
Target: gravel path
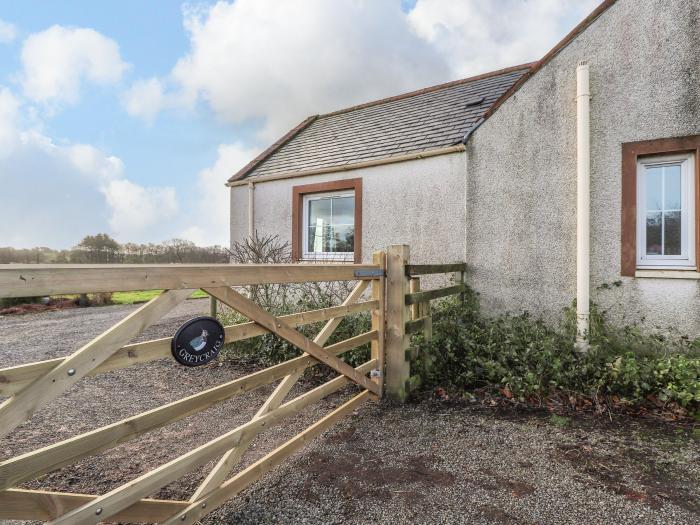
point(424, 463)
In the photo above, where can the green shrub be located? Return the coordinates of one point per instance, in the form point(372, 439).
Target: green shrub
point(268, 349)
point(525, 358)
point(284, 299)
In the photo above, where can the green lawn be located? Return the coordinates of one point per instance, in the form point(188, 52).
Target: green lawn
point(145, 295)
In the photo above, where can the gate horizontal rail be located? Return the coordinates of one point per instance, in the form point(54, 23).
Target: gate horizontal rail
point(398, 309)
point(13, 379)
point(33, 385)
point(131, 492)
point(31, 280)
point(44, 505)
point(33, 464)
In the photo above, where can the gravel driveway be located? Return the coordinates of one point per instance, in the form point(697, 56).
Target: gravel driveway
point(421, 463)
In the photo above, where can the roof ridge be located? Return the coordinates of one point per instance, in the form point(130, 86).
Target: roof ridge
point(431, 89)
point(539, 64)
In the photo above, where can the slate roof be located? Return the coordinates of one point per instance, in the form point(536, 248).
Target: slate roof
point(430, 118)
point(421, 120)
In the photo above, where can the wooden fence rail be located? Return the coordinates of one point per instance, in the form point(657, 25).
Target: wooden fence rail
point(14, 378)
point(397, 306)
point(429, 295)
point(44, 505)
point(409, 313)
point(31, 280)
point(33, 464)
point(413, 270)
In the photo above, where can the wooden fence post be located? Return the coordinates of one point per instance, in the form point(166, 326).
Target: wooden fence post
point(378, 320)
point(212, 306)
point(398, 370)
point(421, 310)
point(416, 309)
point(428, 324)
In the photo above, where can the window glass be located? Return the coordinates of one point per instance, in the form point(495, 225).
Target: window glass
point(672, 188)
point(654, 233)
point(666, 218)
point(344, 239)
point(319, 225)
point(344, 210)
point(654, 183)
point(672, 233)
point(663, 219)
point(330, 224)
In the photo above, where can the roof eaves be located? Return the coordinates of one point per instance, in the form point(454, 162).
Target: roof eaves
point(400, 157)
point(245, 170)
point(252, 165)
point(536, 66)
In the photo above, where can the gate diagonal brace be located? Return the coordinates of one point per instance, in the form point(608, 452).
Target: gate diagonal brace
point(278, 327)
point(218, 474)
point(20, 407)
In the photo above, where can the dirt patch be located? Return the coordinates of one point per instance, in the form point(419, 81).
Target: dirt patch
point(496, 515)
point(495, 481)
point(632, 473)
point(359, 474)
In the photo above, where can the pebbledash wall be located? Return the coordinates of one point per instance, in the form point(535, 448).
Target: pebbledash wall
point(521, 184)
point(419, 202)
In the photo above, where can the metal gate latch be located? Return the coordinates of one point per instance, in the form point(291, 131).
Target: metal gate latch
point(375, 373)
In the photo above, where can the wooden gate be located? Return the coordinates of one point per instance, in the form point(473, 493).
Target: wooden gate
point(29, 387)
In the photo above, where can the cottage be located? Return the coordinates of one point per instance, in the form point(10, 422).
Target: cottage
point(587, 156)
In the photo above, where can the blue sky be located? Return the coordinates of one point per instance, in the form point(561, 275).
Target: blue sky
point(127, 116)
point(151, 39)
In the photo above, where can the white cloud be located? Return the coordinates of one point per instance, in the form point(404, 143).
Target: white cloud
point(45, 200)
point(57, 60)
point(9, 111)
point(277, 62)
point(8, 32)
point(54, 194)
point(145, 99)
point(93, 162)
point(251, 61)
point(137, 213)
point(476, 36)
point(281, 61)
point(210, 210)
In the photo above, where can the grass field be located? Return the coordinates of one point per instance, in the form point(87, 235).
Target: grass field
point(144, 296)
point(139, 296)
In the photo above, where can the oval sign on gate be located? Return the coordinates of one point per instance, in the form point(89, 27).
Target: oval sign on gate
point(198, 341)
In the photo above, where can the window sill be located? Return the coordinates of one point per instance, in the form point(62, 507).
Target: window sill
point(668, 274)
point(327, 260)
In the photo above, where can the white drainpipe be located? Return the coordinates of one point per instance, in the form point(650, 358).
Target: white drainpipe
point(583, 202)
point(251, 210)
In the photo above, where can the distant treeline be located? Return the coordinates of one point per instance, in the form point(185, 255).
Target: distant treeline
point(101, 248)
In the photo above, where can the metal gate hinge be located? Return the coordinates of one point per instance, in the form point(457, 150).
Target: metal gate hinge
point(375, 373)
point(370, 273)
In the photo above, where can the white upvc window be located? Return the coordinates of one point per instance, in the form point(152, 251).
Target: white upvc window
point(666, 212)
point(329, 226)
